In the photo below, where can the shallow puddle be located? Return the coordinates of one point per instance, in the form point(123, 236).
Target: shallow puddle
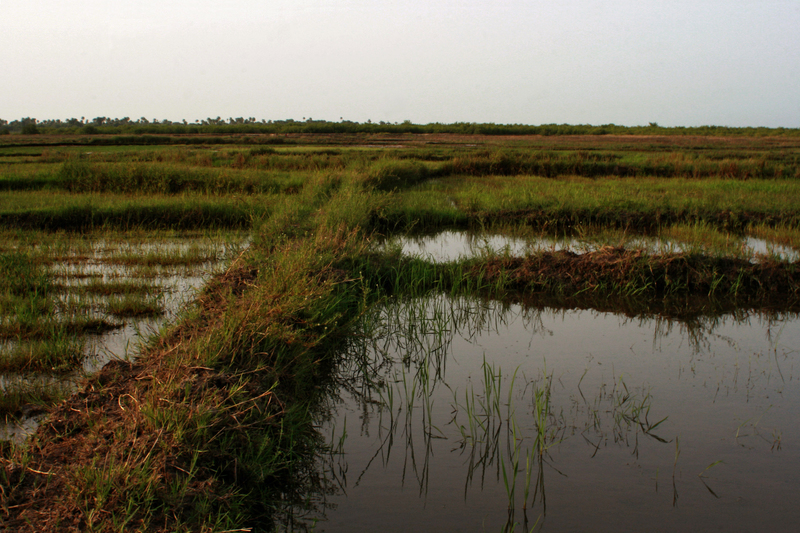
point(463, 415)
point(452, 245)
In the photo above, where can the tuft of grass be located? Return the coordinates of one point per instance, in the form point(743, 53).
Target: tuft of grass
point(193, 255)
point(60, 354)
point(24, 397)
point(107, 288)
point(22, 275)
point(42, 327)
point(782, 234)
point(701, 237)
point(134, 305)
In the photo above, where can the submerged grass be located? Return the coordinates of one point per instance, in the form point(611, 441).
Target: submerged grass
point(107, 288)
point(193, 255)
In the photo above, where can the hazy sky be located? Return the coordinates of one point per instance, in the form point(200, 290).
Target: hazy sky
point(675, 62)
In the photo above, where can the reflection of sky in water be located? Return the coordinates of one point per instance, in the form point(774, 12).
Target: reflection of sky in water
point(710, 378)
point(452, 245)
point(177, 286)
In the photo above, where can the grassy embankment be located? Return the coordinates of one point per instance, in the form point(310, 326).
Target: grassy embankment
point(211, 428)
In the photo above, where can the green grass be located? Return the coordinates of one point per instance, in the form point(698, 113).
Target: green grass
point(53, 211)
point(57, 354)
point(35, 395)
point(39, 327)
point(134, 305)
point(107, 288)
point(782, 234)
point(558, 204)
point(20, 275)
point(193, 254)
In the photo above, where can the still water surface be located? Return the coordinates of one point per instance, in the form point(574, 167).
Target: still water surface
point(452, 245)
point(642, 423)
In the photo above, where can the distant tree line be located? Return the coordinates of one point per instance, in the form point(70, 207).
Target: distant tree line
point(106, 125)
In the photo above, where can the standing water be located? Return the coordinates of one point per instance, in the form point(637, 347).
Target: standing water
point(453, 245)
point(467, 415)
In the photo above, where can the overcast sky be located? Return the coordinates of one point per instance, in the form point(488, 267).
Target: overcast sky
point(675, 62)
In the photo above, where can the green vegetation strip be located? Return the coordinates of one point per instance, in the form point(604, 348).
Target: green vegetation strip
point(89, 214)
point(30, 397)
point(568, 203)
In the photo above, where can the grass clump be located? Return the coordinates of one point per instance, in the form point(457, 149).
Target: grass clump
point(48, 355)
point(24, 283)
point(107, 288)
point(193, 255)
point(30, 396)
point(134, 305)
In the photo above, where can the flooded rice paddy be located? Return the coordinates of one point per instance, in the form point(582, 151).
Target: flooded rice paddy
point(132, 286)
point(168, 272)
point(470, 415)
point(452, 245)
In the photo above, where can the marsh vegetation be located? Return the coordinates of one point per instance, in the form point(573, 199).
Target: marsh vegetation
point(614, 317)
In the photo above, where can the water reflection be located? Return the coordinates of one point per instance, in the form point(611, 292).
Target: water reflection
point(452, 245)
point(462, 413)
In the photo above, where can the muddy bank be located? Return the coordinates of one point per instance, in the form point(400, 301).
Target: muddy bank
point(625, 272)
